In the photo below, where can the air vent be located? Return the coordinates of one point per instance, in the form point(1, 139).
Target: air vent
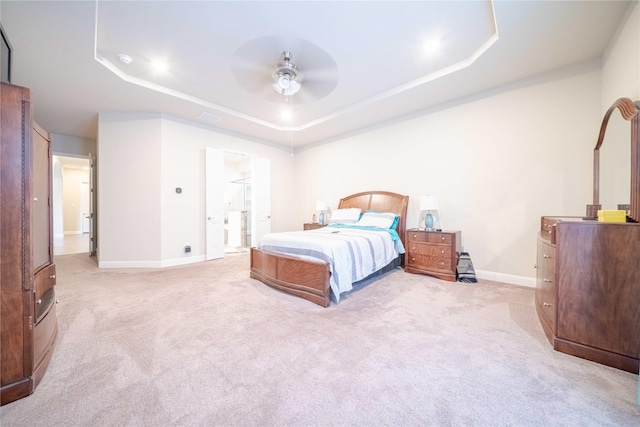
point(211, 118)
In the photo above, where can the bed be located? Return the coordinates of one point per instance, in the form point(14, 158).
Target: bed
point(311, 279)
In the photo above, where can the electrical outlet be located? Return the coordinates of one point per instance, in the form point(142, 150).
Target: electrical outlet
point(187, 249)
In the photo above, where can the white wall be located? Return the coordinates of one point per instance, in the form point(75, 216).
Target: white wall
point(620, 79)
point(621, 64)
point(129, 189)
point(71, 145)
point(153, 154)
point(496, 164)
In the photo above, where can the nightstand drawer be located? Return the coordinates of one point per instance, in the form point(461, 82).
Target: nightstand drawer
point(430, 237)
point(429, 262)
point(429, 250)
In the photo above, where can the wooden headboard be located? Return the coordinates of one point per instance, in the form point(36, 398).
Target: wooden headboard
point(380, 201)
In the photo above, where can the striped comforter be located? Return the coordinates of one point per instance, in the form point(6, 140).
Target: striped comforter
point(352, 253)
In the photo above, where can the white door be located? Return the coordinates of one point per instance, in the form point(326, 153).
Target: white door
point(85, 202)
point(260, 199)
point(214, 187)
point(93, 242)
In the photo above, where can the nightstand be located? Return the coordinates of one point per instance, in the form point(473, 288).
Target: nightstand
point(432, 252)
point(312, 225)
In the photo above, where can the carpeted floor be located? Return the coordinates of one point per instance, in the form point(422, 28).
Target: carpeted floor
point(206, 345)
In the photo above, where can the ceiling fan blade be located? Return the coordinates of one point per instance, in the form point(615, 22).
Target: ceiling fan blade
point(314, 90)
point(253, 78)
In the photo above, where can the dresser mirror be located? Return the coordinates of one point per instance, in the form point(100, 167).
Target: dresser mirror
point(616, 164)
point(615, 167)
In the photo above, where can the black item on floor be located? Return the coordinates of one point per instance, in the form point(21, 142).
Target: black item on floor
point(466, 273)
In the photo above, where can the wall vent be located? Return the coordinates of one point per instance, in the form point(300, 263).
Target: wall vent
point(211, 118)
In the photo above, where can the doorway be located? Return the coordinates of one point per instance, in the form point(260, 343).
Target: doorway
point(237, 206)
point(71, 204)
point(237, 219)
point(238, 223)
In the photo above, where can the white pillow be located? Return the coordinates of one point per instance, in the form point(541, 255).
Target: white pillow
point(345, 216)
point(377, 219)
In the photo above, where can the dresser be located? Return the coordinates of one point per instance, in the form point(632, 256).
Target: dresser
point(588, 289)
point(28, 275)
point(432, 252)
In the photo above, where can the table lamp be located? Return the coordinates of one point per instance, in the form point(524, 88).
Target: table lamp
point(428, 203)
point(322, 207)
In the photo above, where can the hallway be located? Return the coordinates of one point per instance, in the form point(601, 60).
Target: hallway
point(71, 244)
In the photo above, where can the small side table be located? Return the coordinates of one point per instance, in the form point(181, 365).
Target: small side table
point(312, 225)
point(433, 252)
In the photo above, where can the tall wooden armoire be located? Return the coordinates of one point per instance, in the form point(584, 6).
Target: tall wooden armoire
point(28, 323)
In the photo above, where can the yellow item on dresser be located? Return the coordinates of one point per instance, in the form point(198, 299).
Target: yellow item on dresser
point(612, 216)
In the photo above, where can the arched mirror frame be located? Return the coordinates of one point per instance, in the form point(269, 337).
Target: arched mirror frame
point(630, 111)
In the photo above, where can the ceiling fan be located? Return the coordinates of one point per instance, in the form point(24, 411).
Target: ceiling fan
point(257, 70)
point(287, 76)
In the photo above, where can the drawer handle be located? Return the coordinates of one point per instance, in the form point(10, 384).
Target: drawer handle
point(53, 276)
point(546, 304)
point(442, 251)
point(545, 256)
point(39, 301)
point(413, 248)
point(535, 265)
point(547, 280)
point(441, 262)
point(415, 235)
point(413, 259)
point(442, 238)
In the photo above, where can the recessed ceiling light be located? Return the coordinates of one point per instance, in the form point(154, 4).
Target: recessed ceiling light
point(432, 46)
point(125, 59)
point(286, 115)
point(159, 66)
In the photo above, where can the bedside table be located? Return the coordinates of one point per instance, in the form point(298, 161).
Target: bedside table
point(312, 225)
point(433, 252)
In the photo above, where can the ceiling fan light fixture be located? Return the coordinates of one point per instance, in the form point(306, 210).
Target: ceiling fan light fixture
point(287, 76)
point(284, 81)
point(291, 89)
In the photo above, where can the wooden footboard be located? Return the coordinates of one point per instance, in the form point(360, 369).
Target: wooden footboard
point(305, 279)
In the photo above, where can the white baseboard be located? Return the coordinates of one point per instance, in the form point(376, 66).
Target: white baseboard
point(512, 279)
point(183, 261)
point(151, 264)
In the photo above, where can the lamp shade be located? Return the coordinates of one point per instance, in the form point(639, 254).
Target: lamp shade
point(428, 203)
point(321, 206)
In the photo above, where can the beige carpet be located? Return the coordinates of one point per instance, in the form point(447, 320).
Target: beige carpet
point(205, 345)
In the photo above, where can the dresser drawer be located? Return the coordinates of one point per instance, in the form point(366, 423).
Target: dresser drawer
point(44, 335)
point(546, 292)
point(548, 228)
point(430, 237)
point(44, 280)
